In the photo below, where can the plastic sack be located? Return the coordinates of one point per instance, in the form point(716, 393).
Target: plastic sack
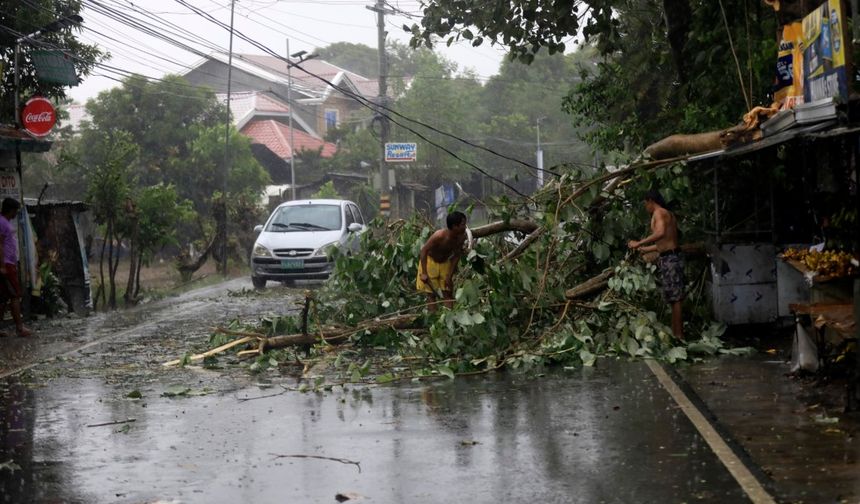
point(804, 351)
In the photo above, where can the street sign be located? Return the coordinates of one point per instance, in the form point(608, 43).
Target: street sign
point(38, 116)
point(403, 152)
point(55, 67)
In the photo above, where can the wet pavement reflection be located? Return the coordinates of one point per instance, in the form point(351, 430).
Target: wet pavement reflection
point(605, 434)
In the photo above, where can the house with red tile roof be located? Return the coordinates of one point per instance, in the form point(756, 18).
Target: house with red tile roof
point(324, 95)
point(265, 119)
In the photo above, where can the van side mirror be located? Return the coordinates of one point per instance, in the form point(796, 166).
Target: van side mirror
point(354, 227)
point(258, 228)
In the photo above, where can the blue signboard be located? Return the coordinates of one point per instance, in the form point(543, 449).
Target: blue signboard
point(405, 152)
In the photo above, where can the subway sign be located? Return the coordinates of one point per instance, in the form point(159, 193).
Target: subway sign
point(405, 152)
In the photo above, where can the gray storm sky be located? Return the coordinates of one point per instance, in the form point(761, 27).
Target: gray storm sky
point(307, 23)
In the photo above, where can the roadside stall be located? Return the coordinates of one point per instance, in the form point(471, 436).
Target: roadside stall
point(784, 229)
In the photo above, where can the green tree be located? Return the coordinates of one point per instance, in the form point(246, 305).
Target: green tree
point(515, 100)
point(642, 88)
point(163, 118)
point(19, 18)
point(202, 171)
point(661, 66)
point(109, 194)
point(449, 102)
point(327, 191)
point(154, 222)
point(357, 58)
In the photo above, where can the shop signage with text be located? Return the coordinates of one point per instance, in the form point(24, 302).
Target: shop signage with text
point(38, 116)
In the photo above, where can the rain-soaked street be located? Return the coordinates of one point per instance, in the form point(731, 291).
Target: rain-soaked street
point(69, 431)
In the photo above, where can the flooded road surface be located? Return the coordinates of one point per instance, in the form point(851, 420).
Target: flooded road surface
point(69, 432)
point(608, 434)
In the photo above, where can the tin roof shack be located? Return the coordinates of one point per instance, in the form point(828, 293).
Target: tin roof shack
point(793, 189)
point(790, 190)
point(12, 143)
point(63, 229)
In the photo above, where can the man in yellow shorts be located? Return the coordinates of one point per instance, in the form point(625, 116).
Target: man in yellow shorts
point(438, 261)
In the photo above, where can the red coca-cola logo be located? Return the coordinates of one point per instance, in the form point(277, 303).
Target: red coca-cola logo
point(38, 116)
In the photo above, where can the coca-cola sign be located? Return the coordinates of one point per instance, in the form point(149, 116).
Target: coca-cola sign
point(38, 116)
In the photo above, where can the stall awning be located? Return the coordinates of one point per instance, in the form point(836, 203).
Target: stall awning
point(11, 137)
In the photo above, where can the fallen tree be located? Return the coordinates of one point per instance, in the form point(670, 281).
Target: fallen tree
point(568, 292)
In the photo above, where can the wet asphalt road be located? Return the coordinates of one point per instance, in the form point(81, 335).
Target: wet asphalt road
point(607, 434)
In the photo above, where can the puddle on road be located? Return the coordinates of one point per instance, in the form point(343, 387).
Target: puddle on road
point(594, 435)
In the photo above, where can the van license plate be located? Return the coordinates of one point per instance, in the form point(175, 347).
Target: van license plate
point(292, 264)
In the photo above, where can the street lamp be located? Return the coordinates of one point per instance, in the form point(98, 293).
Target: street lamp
point(55, 26)
point(302, 58)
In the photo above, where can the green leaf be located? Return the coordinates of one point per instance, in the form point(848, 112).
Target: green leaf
point(386, 378)
point(445, 371)
point(134, 394)
point(676, 354)
point(176, 391)
point(587, 358)
point(701, 348)
point(463, 318)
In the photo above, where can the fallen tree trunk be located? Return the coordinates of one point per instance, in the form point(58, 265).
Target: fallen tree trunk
point(591, 286)
point(534, 235)
point(341, 334)
point(222, 348)
point(331, 335)
point(521, 225)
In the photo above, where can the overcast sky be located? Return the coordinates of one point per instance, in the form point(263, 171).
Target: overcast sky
point(307, 23)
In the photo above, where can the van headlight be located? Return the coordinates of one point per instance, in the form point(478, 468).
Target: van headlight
point(261, 251)
point(325, 250)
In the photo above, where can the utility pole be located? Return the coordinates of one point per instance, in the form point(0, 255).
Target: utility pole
point(292, 137)
point(227, 125)
point(539, 154)
point(379, 181)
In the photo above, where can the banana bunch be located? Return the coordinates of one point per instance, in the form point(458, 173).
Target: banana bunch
point(828, 263)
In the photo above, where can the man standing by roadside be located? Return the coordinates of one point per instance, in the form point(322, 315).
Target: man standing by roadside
point(10, 289)
point(670, 263)
point(437, 263)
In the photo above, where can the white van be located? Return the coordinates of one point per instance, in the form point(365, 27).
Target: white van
point(297, 240)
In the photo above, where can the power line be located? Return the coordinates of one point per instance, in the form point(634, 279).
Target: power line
point(360, 99)
point(367, 103)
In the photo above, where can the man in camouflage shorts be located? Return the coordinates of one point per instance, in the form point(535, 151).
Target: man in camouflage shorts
point(664, 240)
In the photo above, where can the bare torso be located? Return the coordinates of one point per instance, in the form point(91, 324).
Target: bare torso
point(669, 241)
point(443, 245)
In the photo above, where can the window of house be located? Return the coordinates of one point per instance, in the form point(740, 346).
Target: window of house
point(330, 119)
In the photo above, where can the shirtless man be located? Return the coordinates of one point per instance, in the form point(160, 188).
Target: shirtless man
point(438, 261)
point(664, 240)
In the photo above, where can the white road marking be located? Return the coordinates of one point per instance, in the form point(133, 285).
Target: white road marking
point(748, 482)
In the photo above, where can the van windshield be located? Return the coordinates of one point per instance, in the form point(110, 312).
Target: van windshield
point(305, 218)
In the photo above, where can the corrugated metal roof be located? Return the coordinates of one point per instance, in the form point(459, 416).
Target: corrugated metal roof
point(764, 143)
